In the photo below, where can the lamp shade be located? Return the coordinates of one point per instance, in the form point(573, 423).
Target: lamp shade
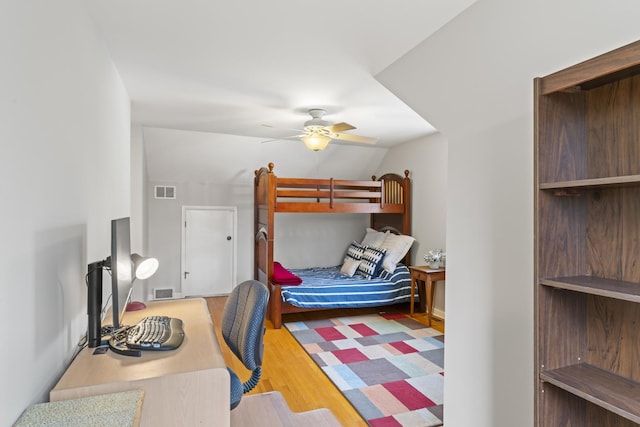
point(143, 267)
point(315, 141)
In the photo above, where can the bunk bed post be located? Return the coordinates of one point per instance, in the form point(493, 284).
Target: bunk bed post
point(275, 299)
point(264, 208)
point(406, 199)
point(406, 216)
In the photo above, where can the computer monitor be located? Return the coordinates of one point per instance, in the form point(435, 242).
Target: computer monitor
point(121, 269)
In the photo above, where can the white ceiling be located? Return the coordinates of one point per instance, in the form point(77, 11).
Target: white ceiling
point(232, 66)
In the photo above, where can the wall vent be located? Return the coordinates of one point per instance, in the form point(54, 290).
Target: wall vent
point(162, 293)
point(165, 192)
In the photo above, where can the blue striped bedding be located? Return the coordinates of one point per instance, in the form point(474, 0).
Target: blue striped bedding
point(325, 287)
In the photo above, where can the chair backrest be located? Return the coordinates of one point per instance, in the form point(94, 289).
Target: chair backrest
point(243, 322)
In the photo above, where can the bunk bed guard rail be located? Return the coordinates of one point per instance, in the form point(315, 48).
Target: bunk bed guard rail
point(332, 195)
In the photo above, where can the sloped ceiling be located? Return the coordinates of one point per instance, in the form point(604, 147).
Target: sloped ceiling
point(230, 67)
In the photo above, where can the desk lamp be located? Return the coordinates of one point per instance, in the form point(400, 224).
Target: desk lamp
point(143, 269)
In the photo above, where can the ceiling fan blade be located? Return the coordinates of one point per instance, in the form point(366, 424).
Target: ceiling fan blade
point(354, 138)
point(339, 127)
point(276, 127)
point(280, 139)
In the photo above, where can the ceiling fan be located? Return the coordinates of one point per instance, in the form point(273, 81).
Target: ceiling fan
point(317, 132)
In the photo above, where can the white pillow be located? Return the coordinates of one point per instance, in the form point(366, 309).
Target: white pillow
point(352, 259)
point(397, 246)
point(350, 266)
point(374, 238)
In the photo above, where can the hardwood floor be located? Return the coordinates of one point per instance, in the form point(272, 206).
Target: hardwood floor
point(288, 369)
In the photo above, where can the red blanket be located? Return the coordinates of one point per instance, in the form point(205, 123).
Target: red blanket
point(282, 276)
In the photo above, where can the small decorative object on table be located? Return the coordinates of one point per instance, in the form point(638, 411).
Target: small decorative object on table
point(435, 258)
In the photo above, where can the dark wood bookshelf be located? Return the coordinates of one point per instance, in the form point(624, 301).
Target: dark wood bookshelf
point(587, 242)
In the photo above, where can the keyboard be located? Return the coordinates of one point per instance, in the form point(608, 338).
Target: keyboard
point(155, 333)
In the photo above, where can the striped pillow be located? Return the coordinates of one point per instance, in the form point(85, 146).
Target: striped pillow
point(371, 262)
point(355, 251)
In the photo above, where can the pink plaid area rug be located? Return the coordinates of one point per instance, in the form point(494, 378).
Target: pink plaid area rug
point(389, 366)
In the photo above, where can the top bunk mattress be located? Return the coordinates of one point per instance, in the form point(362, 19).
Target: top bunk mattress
point(326, 287)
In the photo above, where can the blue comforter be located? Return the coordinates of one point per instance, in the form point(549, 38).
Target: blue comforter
point(326, 287)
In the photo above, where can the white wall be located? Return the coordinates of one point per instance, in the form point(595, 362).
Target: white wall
point(64, 168)
point(473, 81)
point(426, 159)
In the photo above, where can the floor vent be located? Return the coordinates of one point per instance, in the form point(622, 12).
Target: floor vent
point(162, 293)
point(165, 192)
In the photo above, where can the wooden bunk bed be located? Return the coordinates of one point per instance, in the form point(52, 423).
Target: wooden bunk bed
point(386, 199)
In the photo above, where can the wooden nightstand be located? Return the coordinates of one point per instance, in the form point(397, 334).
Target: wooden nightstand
point(427, 276)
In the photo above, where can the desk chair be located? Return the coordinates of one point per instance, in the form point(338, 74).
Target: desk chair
point(243, 330)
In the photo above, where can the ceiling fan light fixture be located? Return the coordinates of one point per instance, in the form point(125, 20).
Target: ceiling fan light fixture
point(316, 121)
point(316, 142)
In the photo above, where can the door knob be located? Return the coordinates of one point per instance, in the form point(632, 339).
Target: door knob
point(228, 237)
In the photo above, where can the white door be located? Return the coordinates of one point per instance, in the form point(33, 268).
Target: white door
point(208, 250)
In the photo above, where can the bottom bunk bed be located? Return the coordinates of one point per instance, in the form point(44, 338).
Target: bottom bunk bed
point(363, 280)
point(324, 288)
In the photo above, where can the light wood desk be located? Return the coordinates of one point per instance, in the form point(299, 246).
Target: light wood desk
point(187, 386)
point(428, 276)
